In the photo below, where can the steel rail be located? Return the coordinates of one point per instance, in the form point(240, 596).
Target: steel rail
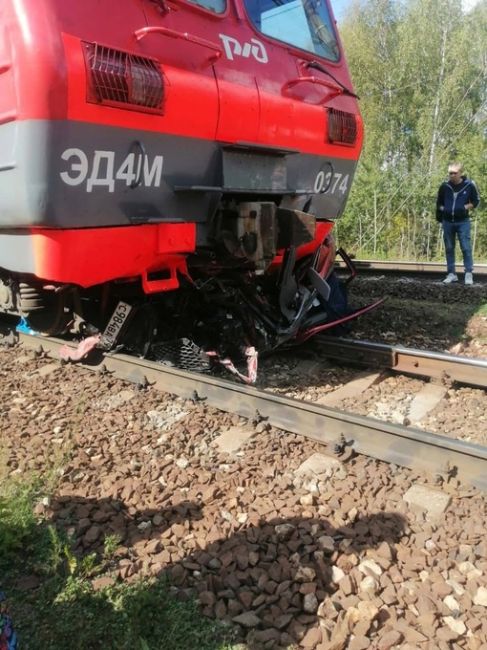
point(384, 441)
point(436, 365)
point(391, 266)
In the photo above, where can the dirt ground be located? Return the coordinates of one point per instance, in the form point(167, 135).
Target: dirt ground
point(423, 314)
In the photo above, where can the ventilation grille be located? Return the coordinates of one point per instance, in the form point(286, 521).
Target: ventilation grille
point(122, 79)
point(342, 127)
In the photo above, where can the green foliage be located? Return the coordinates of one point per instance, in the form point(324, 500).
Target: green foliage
point(66, 611)
point(70, 613)
point(110, 545)
point(58, 551)
point(141, 615)
point(17, 520)
point(419, 68)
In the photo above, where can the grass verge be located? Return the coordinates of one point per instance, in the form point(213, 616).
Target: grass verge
point(54, 605)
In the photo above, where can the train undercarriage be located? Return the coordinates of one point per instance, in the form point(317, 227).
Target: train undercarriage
point(225, 313)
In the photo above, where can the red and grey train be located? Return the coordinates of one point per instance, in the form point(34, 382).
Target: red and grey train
point(172, 170)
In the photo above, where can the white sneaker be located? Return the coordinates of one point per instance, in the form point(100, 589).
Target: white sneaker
point(468, 278)
point(452, 277)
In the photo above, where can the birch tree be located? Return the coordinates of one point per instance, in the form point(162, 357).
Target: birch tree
point(420, 69)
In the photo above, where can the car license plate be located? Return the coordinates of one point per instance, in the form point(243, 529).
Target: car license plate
point(115, 325)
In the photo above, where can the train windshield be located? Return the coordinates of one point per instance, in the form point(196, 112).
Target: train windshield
point(218, 6)
point(303, 23)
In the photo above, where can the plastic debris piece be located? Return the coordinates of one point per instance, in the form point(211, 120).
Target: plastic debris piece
point(84, 347)
point(252, 363)
point(24, 328)
point(182, 353)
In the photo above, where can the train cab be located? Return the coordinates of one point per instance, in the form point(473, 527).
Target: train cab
point(168, 141)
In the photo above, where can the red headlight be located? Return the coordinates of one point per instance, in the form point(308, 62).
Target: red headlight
point(123, 79)
point(342, 127)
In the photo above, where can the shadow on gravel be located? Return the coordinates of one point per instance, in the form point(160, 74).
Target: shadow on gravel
point(269, 579)
point(420, 313)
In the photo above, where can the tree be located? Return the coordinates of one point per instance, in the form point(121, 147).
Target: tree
point(420, 69)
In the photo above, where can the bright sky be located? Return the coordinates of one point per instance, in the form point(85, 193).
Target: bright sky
point(340, 6)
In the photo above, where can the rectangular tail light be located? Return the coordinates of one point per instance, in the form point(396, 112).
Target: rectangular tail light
point(123, 79)
point(342, 127)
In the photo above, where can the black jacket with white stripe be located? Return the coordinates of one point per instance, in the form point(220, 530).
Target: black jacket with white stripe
point(451, 201)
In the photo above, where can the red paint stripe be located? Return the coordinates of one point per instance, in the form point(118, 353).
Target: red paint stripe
point(323, 228)
point(90, 256)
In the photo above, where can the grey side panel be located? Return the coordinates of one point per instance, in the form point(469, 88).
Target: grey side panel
point(17, 252)
point(64, 174)
point(327, 180)
point(73, 175)
point(23, 172)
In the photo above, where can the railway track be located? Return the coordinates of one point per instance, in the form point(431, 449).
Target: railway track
point(401, 445)
point(417, 269)
point(421, 363)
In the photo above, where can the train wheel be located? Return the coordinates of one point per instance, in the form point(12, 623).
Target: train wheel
point(47, 312)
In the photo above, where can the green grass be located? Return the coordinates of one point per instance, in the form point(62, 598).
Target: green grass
point(18, 523)
point(65, 612)
point(141, 616)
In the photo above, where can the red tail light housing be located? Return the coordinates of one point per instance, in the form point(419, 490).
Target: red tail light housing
point(342, 127)
point(123, 79)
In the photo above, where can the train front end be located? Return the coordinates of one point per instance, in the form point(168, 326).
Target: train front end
point(185, 160)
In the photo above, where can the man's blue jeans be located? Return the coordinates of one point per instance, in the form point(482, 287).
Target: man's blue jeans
point(460, 229)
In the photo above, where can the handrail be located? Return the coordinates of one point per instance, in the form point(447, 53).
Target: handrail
point(335, 90)
point(172, 33)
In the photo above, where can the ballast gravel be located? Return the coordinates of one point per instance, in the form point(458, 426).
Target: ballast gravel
point(417, 314)
point(294, 548)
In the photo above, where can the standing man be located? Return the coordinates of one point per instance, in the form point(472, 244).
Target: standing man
point(456, 197)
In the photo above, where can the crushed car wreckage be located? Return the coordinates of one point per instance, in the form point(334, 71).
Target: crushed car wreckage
point(275, 295)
